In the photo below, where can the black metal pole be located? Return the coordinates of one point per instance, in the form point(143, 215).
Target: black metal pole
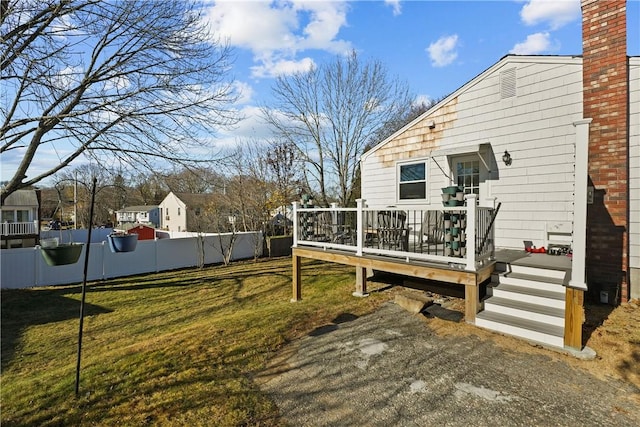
point(84, 284)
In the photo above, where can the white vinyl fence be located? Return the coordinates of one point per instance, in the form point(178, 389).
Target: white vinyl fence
point(25, 267)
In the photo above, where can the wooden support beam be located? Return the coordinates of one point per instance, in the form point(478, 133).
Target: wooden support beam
point(297, 278)
point(471, 303)
point(361, 282)
point(573, 318)
point(443, 274)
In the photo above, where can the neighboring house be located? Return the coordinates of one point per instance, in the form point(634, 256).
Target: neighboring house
point(185, 212)
point(548, 150)
point(139, 215)
point(20, 219)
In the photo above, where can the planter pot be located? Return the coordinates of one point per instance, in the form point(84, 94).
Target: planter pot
point(454, 231)
point(451, 190)
point(455, 245)
point(62, 254)
point(122, 242)
point(460, 196)
point(446, 197)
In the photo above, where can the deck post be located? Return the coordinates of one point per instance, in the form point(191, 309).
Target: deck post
point(573, 318)
point(579, 235)
point(295, 224)
point(361, 282)
point(297, 277)
point(471, 303)
point(471, 233)
point(359, 227)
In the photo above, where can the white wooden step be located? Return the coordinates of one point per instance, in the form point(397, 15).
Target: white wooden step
point(537, 271)
point(543, 297)
point(527, 329)
point(529, 281)
point(525, 310)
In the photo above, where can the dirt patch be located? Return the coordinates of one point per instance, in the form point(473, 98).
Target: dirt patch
point(613, 332)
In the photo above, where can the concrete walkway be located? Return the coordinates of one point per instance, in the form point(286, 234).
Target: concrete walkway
point(389, 369)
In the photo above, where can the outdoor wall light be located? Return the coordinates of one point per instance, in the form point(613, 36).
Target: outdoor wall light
point(506, 158)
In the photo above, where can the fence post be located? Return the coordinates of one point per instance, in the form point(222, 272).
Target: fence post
point(359, 226)
point(471, 232)
point(295, 224)
point(334, 219)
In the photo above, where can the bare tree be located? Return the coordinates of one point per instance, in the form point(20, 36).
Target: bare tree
point(138, 80)
point(283, 162)
point(111, 193)
point(250, 194)
point(330, 112)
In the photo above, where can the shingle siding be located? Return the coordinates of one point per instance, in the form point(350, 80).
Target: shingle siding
point(535, 126)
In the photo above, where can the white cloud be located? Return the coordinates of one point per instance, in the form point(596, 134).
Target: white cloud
point(244, 91)
point(422, 99)
point(534, 44)
point(252, 127)
point(270, 68)
point(395, 5)
point(276, 32)
point(443, 51)
point(556, 13)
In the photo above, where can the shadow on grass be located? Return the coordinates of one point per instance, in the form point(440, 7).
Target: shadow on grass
point(22, 308)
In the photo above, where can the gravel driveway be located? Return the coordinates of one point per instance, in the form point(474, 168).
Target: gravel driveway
point(390, 369)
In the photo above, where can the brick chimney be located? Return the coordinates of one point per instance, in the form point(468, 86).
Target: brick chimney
point(605, 98)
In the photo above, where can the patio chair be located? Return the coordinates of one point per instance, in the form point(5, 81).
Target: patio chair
point(392, 231)
point(432, 231)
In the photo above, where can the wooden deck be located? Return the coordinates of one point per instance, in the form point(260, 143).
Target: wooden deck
point(425, 270)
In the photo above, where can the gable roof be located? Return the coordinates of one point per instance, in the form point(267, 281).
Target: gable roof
point(22, 198)
point(144, 208)
point(507, 59)
point(195, 200)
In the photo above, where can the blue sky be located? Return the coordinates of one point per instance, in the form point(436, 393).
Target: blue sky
point(435, 46)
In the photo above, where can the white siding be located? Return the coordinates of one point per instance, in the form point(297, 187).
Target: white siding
point(634, 162)
point(535, 126)
point(170, 220)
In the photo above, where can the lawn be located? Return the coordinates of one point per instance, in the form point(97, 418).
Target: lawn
point(176, 348)
point(182, 347)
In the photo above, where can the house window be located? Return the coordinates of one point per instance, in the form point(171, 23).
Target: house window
point(22, 215)
point(178, 211)
point(412, 184)
point(468, 176)
point(8, 216)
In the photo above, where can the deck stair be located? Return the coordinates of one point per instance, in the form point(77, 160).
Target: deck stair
point(526, 302)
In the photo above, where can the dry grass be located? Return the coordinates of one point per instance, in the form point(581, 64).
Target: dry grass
point(177, 348)
point(182, 348)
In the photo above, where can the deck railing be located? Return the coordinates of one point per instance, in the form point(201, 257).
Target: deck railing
point(18, 228)
point(458, 236)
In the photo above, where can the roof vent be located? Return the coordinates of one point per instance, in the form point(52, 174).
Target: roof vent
point(508, 83)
